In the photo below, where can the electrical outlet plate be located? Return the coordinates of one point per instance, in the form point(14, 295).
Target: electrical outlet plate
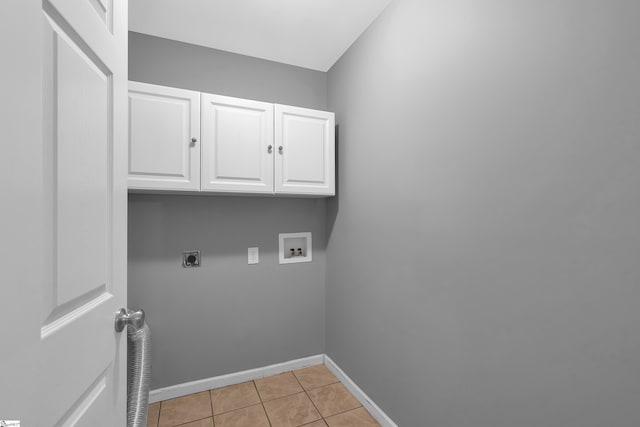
point(191, 259)
point(253, 256)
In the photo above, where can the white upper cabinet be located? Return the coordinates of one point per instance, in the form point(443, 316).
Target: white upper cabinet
point(180, 140)
point(305, 159)
point(237, 145)
point(164, 138)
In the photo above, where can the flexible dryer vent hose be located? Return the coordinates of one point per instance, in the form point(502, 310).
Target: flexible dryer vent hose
point(139, 371)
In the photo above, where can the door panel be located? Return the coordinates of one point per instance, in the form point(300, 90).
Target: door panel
point(90, 407)
point(236, 136)
point(162, 123)
point(80, 359)
point(306, 163)
point(104, 10)
point(236, 133)
point(81, 184)
point(306, 149)
point(83, 364)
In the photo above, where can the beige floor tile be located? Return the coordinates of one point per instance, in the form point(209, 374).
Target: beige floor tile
point(234, 397)
point(333, 399)
point(185, 409)
point(206, 422)
point(277, 386)
point(291, 411)
point(355, 418)
point(315, 376)
point(318, 423)
point(153, 415)
point(252, 416)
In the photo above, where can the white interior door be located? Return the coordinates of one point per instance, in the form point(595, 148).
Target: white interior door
point(84, 65)
point(164, 137)
point(305, 161)
point(237, 145)
point(20, 209)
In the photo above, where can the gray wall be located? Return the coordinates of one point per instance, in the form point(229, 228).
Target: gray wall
point(226, 316)
point(171, 63)
point(483, 254)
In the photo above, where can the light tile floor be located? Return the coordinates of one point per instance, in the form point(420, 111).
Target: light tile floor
point(309, 397)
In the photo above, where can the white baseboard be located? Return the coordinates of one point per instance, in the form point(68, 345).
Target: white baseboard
point(183, 389)
point(373, 409)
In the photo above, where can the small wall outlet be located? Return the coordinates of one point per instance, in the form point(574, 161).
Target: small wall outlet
point(253, 256)
point(191, 259)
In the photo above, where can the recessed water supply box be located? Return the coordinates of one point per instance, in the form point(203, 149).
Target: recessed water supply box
point(295, 247)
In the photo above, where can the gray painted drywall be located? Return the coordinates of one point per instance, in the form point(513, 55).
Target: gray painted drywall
point(225, 316)
point(483, 254)
point(171, 63)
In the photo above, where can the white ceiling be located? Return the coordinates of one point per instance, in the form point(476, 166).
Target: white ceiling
point(307, 33)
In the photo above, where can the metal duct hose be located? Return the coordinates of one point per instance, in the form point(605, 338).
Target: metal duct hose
point(139, 367)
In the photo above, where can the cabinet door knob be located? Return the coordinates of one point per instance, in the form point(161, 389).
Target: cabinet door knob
point(270, 149)
point(280, 149)
point(193, 141)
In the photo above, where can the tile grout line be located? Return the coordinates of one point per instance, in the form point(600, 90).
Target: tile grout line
point(320, 386)
point(213, 421)
point(285, 395)
point(348, 410)
point(266, 414)
point(187, 422)
point(236, 409)
point(312, 422)
point(326, 385)
point(192, 421)
point(309, 397)
point(262, 403)
point(296, 393)
point(341, 412)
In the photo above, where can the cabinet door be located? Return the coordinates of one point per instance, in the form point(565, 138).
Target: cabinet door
point(164, 138)
point(305, 147)
point(237, 145)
